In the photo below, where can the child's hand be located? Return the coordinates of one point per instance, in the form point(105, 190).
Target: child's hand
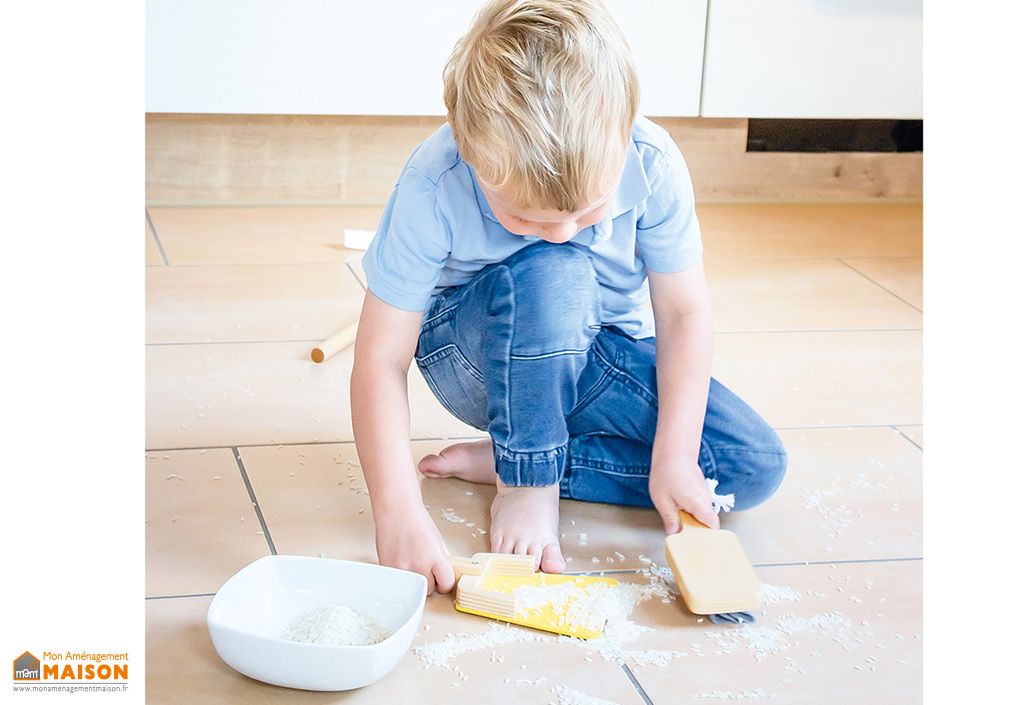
point(676, 486)
point(411, 541)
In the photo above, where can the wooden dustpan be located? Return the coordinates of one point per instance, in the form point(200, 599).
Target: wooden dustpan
point(496, 563)
point(713, 573)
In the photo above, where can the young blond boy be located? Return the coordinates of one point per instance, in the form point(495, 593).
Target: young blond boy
point(515, 261)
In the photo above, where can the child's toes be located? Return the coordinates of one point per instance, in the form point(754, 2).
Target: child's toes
point(551, 560)
point(502, 543)
point(531, 550)
point(431, 466)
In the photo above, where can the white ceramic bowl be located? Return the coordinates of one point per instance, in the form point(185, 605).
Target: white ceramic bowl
point(252, 609)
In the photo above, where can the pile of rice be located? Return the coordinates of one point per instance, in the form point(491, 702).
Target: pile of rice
point(335, 624)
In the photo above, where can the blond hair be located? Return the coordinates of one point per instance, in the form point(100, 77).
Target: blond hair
point(541, 95)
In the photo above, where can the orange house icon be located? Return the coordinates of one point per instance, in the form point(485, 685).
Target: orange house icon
point(26, 667)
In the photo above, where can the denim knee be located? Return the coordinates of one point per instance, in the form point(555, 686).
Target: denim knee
point(769, 467)
point(555, 299)
point(752, 474)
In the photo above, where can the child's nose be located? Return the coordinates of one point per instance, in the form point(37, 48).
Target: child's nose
point(561, 232)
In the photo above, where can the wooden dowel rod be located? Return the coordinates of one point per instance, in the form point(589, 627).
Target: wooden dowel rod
point(336, 343)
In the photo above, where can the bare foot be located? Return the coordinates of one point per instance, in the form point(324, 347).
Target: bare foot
point(524, 520)
point(473, 462)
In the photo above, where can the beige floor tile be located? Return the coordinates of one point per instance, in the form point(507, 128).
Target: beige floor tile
point(200, 523)
point(849, 494)
point(811, 229)
point(902, 276)
point(234, 303)
point(914, 433)
point(222, 395)
point(357, 268)
point(153, 256)
point(807, 379)
point(183, 667)
point(313, 499)
point(852, 637)
point(800, 294)
point(454, 655)
point(428, 419)
point(257, 393)
point(597, 537)
point(260, 235)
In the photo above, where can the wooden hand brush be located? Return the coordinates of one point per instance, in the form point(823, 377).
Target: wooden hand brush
point(713, 573)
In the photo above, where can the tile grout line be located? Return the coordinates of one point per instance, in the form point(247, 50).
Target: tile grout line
point(156, 238)
point(822, 330)
point(636, 684)
point(268, 203)
point(843, 561)
point(208, 265)
point(358, 280)
point(313, 443)
point(478, 438)
point(236, 342)
point(834, 427)
point(634, 571)
point(889, 291)
point(801, 258)
point(255, 503)
point(730, 332)
point(355, 203)
point(178, 597)
point(707, 258)
point(909, 439)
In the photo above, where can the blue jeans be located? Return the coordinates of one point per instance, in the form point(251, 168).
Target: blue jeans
point(519, 351)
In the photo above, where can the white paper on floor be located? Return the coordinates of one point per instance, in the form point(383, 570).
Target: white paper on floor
point(358, 239)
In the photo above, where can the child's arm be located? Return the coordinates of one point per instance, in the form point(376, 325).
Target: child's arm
point(682, 315)
point(406, 536)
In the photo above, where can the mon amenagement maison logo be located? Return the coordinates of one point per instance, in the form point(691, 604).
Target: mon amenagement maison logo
point(71, 671)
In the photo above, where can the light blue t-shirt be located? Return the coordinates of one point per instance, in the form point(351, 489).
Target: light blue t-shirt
point(438, 230)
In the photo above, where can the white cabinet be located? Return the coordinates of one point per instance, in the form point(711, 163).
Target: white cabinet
point(813, 59)
point(299, 56)
point(764, 58)
point(666, 38)
point(355, 57)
